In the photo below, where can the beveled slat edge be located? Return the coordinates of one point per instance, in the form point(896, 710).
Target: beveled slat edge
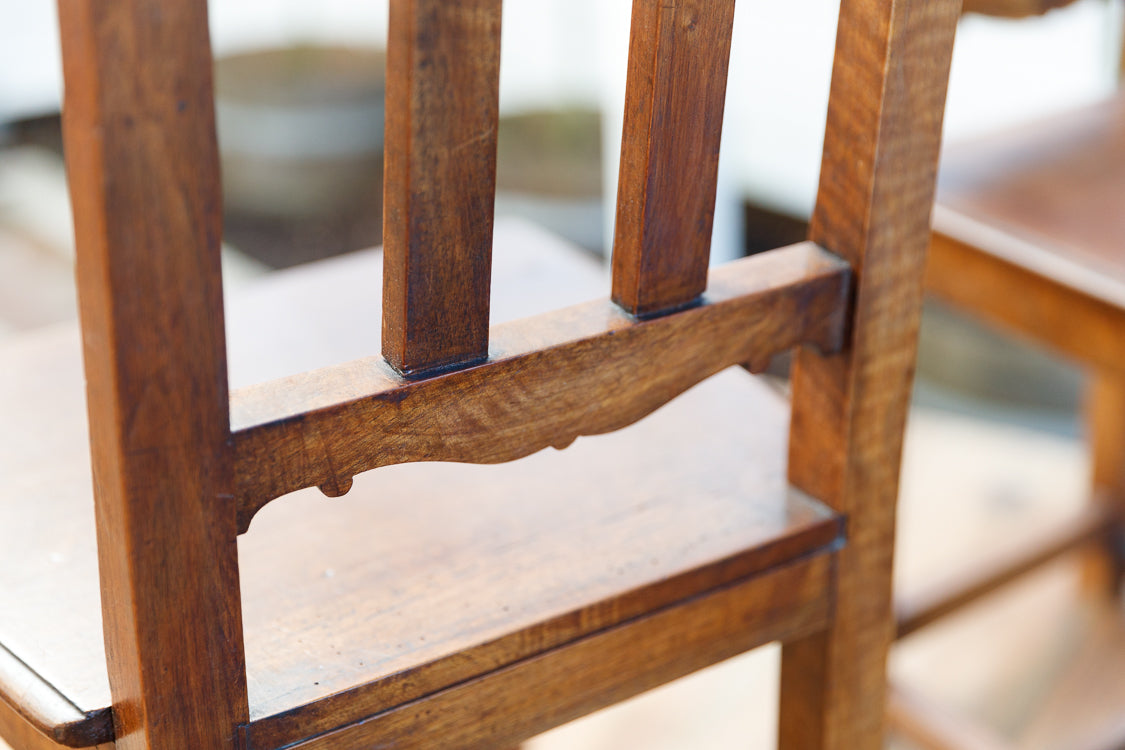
point(46, 710)
point(799, 598)
point(967, 259)
point(1021, 252)
point(324, 427)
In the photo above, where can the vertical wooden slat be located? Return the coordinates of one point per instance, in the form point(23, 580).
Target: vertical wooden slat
point(678, 56)
point(443, 67)
point(143, 168)
point(849, 410)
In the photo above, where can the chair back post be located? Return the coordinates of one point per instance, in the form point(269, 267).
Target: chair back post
point(849, 409)
point(144, 175)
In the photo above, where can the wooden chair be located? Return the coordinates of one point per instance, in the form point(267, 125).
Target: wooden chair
point(1027, 236)
point(449, 605)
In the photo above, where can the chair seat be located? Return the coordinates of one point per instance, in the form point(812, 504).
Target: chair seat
point(424, 576)
point(1029, 228)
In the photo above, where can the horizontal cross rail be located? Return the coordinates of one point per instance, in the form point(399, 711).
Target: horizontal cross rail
point(557, 374)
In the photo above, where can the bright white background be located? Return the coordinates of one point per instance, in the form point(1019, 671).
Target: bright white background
point(559, 51)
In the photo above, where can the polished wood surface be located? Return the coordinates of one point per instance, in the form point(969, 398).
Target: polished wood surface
point(678, 58)
point(478, 604)
point(22, 734)
point(1038, 210)
point(36, 712)
point(849, 409)
point(144, 184)
point(1056, 183)
point(443, 89)
point(1063, 303)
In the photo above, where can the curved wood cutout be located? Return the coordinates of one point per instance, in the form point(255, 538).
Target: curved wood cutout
point(584, 370)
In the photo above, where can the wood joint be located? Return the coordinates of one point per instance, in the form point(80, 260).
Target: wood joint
point(550, 380)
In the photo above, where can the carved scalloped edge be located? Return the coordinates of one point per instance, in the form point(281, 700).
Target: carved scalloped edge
point(534, 394)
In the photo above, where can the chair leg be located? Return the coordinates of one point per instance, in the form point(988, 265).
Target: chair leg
point(1105, 419)
point(833, 687)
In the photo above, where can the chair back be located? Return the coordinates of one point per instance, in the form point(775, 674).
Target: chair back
point(181, 466)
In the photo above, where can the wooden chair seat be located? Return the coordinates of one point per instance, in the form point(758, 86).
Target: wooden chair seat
point(1039, 209)
point(477, 570)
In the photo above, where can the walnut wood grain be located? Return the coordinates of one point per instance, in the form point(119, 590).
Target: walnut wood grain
point(34, 711)
point(23, 735)
point(676, 89)
point(1035, 210)
point(443, 83)
point(662, 531)
point(144, 183)
point(849, 409)
point(538, 390)
point(1063, 304)
point(537, 694)
point(435, 603)
point(1056, 184)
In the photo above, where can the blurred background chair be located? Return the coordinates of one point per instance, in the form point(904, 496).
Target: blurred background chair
point(1029, 236)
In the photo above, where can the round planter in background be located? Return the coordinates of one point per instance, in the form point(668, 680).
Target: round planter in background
point(301, 138)
point(549, 171)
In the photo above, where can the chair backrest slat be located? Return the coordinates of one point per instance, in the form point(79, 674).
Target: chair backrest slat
point(678, 59)
point(144, 171)
point(443, 63)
